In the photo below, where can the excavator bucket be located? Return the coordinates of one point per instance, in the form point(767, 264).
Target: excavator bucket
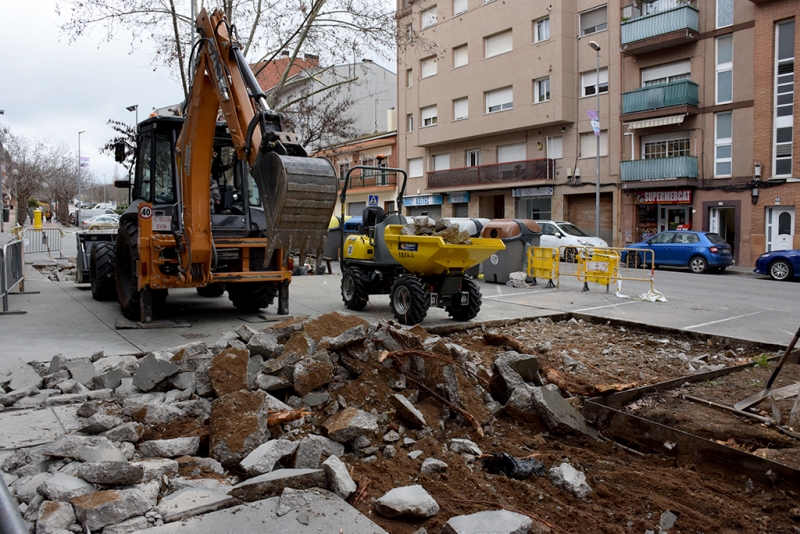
point(298, 195)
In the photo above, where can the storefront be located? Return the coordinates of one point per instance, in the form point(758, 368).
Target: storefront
point(533, 202)
point(423, 204)
point(660, 210)
point(460, 202)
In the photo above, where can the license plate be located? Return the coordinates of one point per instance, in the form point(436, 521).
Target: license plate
point(162, 223)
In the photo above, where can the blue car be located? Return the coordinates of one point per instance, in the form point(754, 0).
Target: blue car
point(779, 264)
point(699, 251)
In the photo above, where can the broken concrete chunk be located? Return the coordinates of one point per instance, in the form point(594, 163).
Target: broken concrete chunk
point(100, 422)
point(10, 398)
point(407, 411)
point(183, 381)
point(311, 449)
point(245, 332)
point(332, 325)
point(19, 375)
point(58, 363)
point(228, 371)
point(311, 374)
point(188, 356)
point(506, 375)
point(170, 448)
point(99, 509)
point(569, 479)
point(432, 465)
point(500, 522)
point(667, 520)
point(156, 468)
point(130, 432)
point(264, 457)
point(271, 382)
point(151, 490)
point(111, 473)
point(54, 516)
point(272, 484)
point(152, 371)
point(82, 372)
point(460, 446)
point(350, 336)
point(61, 487)
point(189, 502)
point(126, 389)
point(177, 395)
point(196, 461)
point(116, 363)
point(63, 400)
point(339, 480)
point(51, 381)
point(299, 344)
point(157, 414)
point(238, 426)
point(560, 417)
point(104, 451)
point(520, 406)
point(265, 344)
point(111, 379)
point(315, 399)
point(26, 487)
point(70, 446)
point(349, 424)
point(134, 524)
point(254, 370)
point(409, 501)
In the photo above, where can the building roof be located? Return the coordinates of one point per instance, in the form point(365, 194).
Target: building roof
point(271, 71)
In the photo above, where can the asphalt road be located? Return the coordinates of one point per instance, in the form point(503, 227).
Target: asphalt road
point(63, 317)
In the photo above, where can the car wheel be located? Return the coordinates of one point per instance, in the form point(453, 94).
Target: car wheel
point(93, 228)
point(633, 260)
point(780, 270)
point(698, 264)
point(570, 254)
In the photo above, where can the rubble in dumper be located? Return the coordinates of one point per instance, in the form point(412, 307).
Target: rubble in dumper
point(260, 414)
point(424, 225)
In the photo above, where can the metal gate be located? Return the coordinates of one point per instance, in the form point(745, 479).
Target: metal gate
point(12, 272)
point(43, 240)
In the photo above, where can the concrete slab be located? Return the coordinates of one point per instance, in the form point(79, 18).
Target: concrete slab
point(325, 512)
point(190, 502)
point(25, 428)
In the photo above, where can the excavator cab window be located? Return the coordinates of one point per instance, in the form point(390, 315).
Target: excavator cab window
point(226, 170)
point(142, 187)
point(164, 185)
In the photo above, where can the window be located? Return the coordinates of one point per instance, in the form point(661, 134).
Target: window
point(541, 30)
point(724, 69)
point(541, 90)
point(499, 99)
point(415, 167)
point(429, 17)
point(594, 20)
point(497, 44)
point(409, 77)
point(441, 162)
point(143, 180)
point(460, 56)
point(473, 157)
point(410, 122)
point(428, 67)
point(429, 117)
point(589, 144)
point(460, 6)
point(724, 13)
point(343, 168)
point(723, 149)
point(671, 145)
point(460, 108)
point(670, 72)
point(555, 148)
point(410, 32)
point(784, 98)
point(509, 153)
point(589, 82)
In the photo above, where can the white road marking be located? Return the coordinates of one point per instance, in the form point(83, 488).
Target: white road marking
point(607, 306)
point(723, 320)
point(511, 295)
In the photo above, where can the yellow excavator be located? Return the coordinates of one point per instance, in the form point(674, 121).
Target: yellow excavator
point(216, 204)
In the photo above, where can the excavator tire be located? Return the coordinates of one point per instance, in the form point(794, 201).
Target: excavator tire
point(470, 311)
point(410, 300)
point(101, 271)
point(252, 296)
point(354, 289)
point(125, 274)
point(211, 291)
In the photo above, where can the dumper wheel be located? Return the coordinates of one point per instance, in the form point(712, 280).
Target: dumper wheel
point(570, 255)
point(410, 300)
point(252, 296)
point(125, 275)
point(101, 271)
point(354, 289)
point(467, 311)
point(211, 291)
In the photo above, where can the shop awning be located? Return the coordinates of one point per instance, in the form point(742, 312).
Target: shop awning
point(652, 123)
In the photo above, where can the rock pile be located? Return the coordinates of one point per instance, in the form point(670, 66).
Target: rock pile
point(424, 225)
point(188, 430)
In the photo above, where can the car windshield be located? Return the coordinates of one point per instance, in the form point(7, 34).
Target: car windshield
point(571, 229)
point(716, 239)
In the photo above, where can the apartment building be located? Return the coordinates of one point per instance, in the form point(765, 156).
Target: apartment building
point(493, 102)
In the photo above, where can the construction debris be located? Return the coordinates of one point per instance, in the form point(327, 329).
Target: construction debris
point(424, 225)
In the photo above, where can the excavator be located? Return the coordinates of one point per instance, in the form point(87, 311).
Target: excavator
point(215, 204)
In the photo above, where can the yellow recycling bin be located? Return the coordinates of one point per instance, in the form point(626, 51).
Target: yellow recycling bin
point(37, 218)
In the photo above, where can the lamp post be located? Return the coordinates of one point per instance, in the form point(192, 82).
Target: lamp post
point(596, 48)
point(79, 166)
point(15, 173)
point(135, 108)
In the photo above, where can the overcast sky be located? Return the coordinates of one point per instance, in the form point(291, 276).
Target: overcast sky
point(51, 89)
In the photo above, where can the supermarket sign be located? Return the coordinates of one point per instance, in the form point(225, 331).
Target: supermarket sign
point(678, 196)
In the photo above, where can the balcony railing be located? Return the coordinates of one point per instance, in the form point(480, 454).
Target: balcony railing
point(664, 95)
point(370, 179)
point(658, 169)
point(651, 19)
point(515, 171)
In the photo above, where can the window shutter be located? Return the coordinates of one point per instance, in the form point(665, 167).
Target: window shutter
point(459, 6)
point(499, 99)
point(429, 17)
point(415, 167)
point(460, 56)
point(460, 108)
point(428, 67)
point(498, 44)
point(510, 153)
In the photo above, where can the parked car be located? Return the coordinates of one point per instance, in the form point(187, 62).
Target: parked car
point(557, 234)
point(699, 251)
point(779, 264)
point(101, 222)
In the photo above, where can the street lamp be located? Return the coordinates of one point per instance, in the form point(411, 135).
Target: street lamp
point(135, 108)
point(596, 48)
point(79, 166)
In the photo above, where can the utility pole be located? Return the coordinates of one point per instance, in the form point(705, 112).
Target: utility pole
point(79, 170)
point(596, 48)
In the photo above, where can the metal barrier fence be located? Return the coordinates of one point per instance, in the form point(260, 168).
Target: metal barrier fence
point(43, 240)
point(12, 272)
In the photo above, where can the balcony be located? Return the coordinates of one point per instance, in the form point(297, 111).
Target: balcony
point(664, 95)
point(501, 173)
point(654, 25)
point(370, 179)
point(640, 170)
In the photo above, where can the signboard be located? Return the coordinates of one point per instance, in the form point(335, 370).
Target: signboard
point(677, 196)
point(532, 192)
point(373, 200)
point(458, 198)
point(594, 119)
point(425, 200)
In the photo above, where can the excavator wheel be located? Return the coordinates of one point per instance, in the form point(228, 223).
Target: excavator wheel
point(470, 310)
point(101, 271)
point(252, 296)
point(125, 274)
point(354, 289)
point(410, 300)
point(211, 291)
